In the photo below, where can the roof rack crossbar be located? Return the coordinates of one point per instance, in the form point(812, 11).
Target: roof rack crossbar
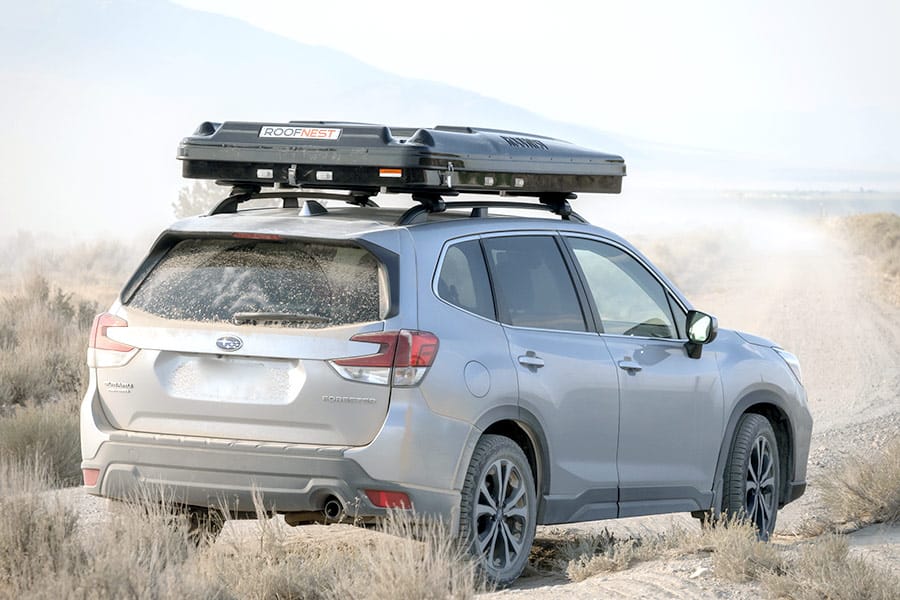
point(242, 193)
point(480, 209)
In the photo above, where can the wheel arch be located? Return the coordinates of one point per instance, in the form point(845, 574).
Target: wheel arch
point(771, 406)
point(523, 428)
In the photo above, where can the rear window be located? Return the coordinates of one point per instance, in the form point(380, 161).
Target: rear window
point(464, 281)
point(289, 284)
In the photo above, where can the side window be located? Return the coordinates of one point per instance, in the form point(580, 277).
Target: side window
point(533, 284)
point(630, 301)
point(463, 280)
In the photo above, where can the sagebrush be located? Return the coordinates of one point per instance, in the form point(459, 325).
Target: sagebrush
point(49, 431)
point(43, 341)
point(864, 490)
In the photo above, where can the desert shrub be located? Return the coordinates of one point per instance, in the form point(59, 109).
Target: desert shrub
point(825, 569)
point(615, 557)
point(583, 555)
point(50, 432)
point(35, 530)
point(737, 553)
point(42, 343)
point(864, 491)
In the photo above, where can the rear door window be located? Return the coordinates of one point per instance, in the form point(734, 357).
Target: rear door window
point(533, 284)
point(254, 282)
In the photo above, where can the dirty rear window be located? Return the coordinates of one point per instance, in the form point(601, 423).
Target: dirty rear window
point(252, 282)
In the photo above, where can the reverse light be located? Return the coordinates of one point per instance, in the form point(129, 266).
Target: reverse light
point(403, 358)
point(384, 499)
point(104, 351)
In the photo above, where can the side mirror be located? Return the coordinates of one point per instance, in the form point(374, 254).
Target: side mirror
point(701, 329)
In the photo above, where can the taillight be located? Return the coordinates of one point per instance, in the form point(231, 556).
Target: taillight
point(403, 358)
point(415, 353)
point(99, 329)
point(106, 352)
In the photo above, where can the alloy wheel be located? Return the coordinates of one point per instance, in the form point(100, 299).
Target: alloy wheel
point(759, 502)
point(501, 513)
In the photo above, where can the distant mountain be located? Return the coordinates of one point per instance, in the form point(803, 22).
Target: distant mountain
point(96, 95)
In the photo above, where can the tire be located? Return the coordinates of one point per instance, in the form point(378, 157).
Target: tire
point(498, 521)
point(752, 479)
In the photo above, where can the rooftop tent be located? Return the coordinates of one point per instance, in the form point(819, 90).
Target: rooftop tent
point(376, 158)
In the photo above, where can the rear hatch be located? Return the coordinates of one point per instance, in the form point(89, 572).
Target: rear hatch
point(231, 339)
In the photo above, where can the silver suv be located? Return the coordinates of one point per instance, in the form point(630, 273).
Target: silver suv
point(498, 372)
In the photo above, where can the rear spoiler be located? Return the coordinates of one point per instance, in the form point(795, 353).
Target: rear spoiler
point(369, 159)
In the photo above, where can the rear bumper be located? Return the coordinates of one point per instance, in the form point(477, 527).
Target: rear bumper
point(227, 474)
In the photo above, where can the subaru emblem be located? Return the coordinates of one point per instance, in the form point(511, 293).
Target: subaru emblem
point(229, 343)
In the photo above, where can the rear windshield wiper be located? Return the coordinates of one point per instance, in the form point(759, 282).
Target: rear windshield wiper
point(262, 318)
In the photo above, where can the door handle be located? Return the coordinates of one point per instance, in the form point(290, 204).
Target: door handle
point(630, 366)
point(532, 361)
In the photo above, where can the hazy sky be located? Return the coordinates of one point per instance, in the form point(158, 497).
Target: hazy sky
point(698, 95)
point(676, 72)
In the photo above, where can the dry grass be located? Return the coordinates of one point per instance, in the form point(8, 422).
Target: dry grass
point(50, 431)
point(411, 559)
point(864, 490)
point(144, 549)
point(736, 553)
point(825, 569)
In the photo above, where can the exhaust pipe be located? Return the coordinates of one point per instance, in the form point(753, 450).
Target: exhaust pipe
point(333, 508)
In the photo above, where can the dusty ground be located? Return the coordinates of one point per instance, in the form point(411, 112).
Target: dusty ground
point(798, 284)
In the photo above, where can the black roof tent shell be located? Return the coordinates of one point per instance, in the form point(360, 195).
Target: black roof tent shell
point(371, 158)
